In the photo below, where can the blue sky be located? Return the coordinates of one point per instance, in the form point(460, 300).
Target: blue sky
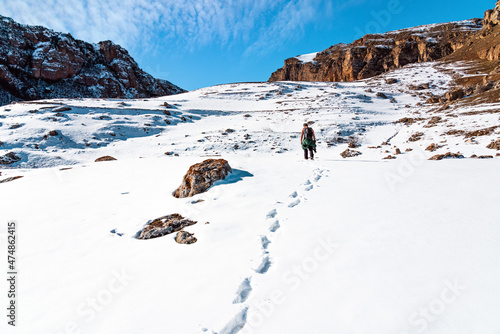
point(199, 43)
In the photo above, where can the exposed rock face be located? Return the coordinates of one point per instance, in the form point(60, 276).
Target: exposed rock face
point(485, 44)
point(184, 237)
point(492, 16)
point(378, 53)
point(38, 63)
point(165, 225)
point(202, 176)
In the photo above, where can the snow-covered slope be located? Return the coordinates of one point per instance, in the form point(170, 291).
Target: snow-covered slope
point(355, 245)
point(265, 117)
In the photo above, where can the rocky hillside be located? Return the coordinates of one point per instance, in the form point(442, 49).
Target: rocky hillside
point(485, 44)
point(374, 54)
point(39, 63)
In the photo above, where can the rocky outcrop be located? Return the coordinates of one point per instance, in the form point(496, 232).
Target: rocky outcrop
point(165, 225)
point(202, 176)
point(374, 54)
point(39, 63)
point(492, 17)
point(485, 44)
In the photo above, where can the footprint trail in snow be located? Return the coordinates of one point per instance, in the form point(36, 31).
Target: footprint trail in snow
point(238, 321)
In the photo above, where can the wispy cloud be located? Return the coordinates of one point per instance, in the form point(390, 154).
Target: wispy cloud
point(188, 25)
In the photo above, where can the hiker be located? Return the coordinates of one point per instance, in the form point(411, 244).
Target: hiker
point(308, 141)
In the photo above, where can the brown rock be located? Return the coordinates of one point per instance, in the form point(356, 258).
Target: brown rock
point(454, 94)
point(186, 238)
point(482, 156)
point(389, 157)
point(202, 176)
point(350, 153)
point(12, 178)
point(433, 99)
point(165, 225)
point(105, 158)
point(398, 151)
point(53, 133)
point(494, 145)
point(446, 156)
point(433, 147)
point(416, 136)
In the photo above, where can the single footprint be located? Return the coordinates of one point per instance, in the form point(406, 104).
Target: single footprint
point(274, 226)
point(236, 323)
point(272, 214)
point(293, 195)
point(264, 265)
point(308, 186)
point(294, 203)
point(264, 241)
point(243, 291)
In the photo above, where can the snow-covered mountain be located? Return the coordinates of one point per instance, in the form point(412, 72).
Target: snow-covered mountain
point(39, 63)
point(393, 228)
point(347, 245)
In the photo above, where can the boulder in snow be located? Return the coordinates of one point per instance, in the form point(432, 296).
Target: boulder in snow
point(350, 153)
point(184, 237)
point(202, 176)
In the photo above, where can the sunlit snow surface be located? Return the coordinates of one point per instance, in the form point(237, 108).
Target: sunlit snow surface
point(356, 245)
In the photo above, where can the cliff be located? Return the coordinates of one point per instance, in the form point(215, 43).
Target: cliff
point(39, 63)
point(374, 54)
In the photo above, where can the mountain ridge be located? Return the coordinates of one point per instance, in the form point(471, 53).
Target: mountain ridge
point(40, 63)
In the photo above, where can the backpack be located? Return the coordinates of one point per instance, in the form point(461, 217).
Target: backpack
point(308, 133)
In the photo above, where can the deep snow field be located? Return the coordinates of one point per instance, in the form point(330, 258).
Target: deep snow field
point(335, 245)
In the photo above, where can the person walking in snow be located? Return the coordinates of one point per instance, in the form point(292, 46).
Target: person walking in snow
point(308, 141)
